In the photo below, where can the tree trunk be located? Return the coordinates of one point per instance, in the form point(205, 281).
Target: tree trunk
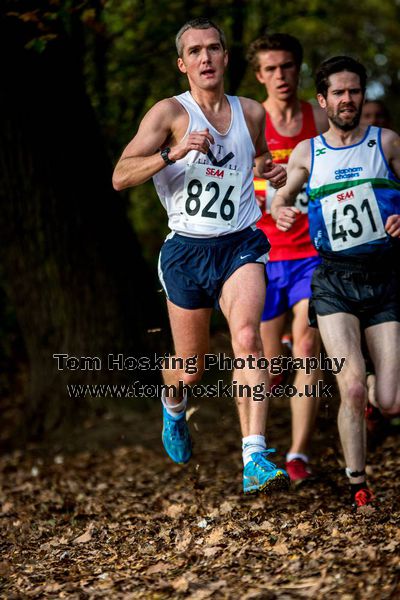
point(72, 266)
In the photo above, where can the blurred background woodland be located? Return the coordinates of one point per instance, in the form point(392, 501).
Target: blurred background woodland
point(77, 263)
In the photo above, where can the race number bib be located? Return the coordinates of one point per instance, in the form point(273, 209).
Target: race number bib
point(301, 199)
point(352, 217)
point(211, 195)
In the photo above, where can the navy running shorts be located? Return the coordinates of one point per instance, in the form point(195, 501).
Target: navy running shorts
point(372, 297)
point(192, 271)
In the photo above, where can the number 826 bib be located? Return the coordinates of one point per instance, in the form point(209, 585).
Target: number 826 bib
point(211, 195)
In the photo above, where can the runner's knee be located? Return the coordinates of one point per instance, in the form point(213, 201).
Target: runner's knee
point(305, 346)
point(391, 411)
point(192, 378)
point(355, 394)
point(247, 340)
point(390, 405)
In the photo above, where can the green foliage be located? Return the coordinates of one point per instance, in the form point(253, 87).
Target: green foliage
point(141, 61)
point(127, 48)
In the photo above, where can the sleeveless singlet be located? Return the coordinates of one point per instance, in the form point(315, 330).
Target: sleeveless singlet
point(296, 242)
point(352, 191)
point(211, 195)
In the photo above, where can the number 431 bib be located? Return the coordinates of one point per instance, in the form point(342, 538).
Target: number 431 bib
point(211, 195)
point(352, 217)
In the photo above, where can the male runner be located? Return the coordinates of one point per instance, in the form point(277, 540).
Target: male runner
point(200, 148)
point(276, 60)
point(354, 207)
point(374, 112)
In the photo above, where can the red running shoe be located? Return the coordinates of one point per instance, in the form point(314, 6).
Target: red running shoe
point(298, 470)
point(287, 343)
point(363, 497)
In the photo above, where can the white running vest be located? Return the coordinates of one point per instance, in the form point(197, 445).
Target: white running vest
point(211, 195)
point(352, 191)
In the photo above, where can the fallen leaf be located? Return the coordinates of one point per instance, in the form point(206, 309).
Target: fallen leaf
point(183, 541)
point(280, 549)
point(85, 537)
point(215, 537)
point(181, 585)
point(175, 510)
point(226, 507)
point(159, 567)
point(6, 507)
point(391, 546)
point(335, 532)
point(211, 551)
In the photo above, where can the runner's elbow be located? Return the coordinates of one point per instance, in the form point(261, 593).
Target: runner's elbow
point(116, 184)
point(119, 181)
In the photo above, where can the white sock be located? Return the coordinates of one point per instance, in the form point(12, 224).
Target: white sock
point(293, 455)
point(174, 410)
point(251, 444)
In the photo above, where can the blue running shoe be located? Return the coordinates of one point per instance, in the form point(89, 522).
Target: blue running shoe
point(176, 437)
point(262, 475)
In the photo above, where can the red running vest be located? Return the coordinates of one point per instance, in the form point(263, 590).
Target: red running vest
point(296, 242)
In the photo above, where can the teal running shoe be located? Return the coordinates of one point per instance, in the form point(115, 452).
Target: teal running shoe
point(176, 437)
point(262, 475)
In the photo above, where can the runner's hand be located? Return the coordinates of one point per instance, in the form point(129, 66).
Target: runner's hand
point(392, 225)
point(286, 217)
point(200, 141)
point(275, 174)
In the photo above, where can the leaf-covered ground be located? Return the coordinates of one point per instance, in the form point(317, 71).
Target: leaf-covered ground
point(109, 516)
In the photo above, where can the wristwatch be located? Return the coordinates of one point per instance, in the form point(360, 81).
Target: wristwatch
point(164, 154)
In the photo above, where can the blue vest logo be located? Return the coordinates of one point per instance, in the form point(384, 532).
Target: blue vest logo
point(350, 173)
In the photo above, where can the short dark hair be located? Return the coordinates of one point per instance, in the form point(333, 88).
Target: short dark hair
point(337, 64)
point(275, 41)
point(199, 23)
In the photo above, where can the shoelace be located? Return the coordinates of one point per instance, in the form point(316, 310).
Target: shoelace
point(263, 461)
point(363, 497)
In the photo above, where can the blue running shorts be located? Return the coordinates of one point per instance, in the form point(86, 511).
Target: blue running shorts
point(289, 281)
point(192, 271)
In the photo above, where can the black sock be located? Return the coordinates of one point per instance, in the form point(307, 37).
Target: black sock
point(356, 487)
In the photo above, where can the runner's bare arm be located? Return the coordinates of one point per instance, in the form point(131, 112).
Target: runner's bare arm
point(264, 166)
point(282, 208)
point(391, 150)
point(141, 159)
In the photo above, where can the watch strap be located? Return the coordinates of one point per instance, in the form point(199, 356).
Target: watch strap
point(164, 154)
